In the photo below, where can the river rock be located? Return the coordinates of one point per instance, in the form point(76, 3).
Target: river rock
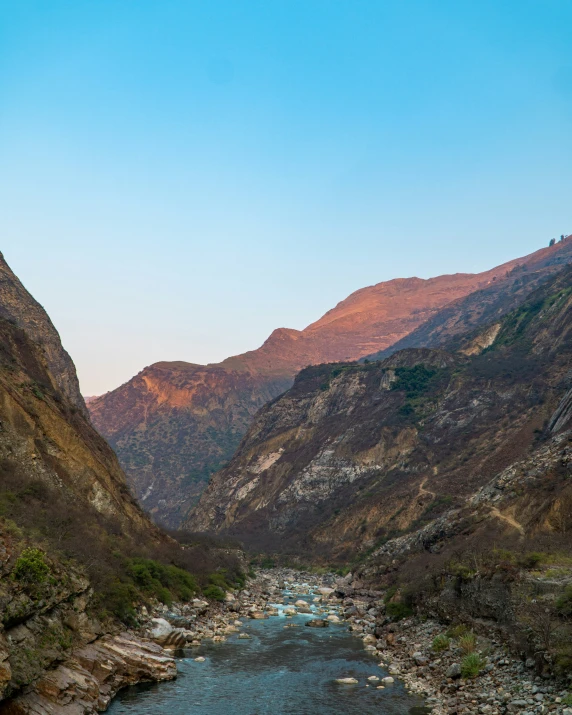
point(163, 633)
point(325, 591)
point(346, 681)
point(257, 615)
point(387, 680)
point(301, 604)
point(317, 623)
point(453, 671)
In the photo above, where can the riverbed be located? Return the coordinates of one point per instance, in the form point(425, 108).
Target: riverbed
point(284, 668)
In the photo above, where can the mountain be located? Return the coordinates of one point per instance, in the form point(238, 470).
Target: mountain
point(356, 454)
point(70, 534)
point(486, 304)
point(176, 423)
point(19, 307)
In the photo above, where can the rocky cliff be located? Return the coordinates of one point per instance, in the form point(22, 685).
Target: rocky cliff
point(174, 424)
point(19, 307)
point(353, 455)
point(74, 545)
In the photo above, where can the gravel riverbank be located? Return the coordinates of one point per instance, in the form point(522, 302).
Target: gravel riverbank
point(406, 650)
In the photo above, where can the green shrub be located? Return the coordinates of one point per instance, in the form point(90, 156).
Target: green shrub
point(218, 579)
point(413, 380)
point(240, 580)
point(532, 559)
point(468, 642)
point(167, 583)
point(214, 593)
point(31, 567)
point(389, 594)
point(457, 631)
point(471, 665)
point(267, 563)
point(440, 643)
point(564, 602)
point(119, 599)
point(397, 611)
point(567, 700)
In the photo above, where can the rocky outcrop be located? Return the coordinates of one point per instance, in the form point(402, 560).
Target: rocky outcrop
point(176, 423)
point(352, 454)
point(19, 307)
point(92, 675)
point(563, 413)
point(44, 437)
point(63, 503)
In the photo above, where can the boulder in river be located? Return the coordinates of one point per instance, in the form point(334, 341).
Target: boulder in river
point(163, 633)
point(325, 591)
point(347, 681)
point(317, 623)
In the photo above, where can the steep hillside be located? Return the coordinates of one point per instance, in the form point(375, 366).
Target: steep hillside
point(73, 543)
point(174, 424)
point(19, 307)
point(354, 454)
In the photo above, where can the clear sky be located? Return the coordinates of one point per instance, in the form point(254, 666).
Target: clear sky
point(179, 177)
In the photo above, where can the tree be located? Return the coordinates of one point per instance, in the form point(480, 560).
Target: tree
point(552, 242)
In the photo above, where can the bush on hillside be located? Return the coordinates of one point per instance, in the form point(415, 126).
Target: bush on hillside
point(471, 665)
point(31, 567)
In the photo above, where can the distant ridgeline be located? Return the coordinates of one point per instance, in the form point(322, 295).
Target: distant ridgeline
point(174, 424)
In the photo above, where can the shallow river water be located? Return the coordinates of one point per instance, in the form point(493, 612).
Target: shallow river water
point(283, 671)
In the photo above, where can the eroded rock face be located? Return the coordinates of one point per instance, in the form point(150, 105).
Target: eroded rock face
point(18, 305)
point(89, 679)
point(58, 477)
point(47, 439)
point(176, 423)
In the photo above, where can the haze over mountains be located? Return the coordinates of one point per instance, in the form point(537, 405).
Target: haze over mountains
point(176, 423)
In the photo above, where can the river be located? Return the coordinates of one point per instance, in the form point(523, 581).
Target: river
point(279, 670)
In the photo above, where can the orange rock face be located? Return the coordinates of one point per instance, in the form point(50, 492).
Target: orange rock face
point(176, 423)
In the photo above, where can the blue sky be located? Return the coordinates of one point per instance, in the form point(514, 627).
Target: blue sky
point(178, 178)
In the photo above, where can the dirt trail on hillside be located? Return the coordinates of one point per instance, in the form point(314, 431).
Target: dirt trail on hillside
point(508, 520)
point(423, 491)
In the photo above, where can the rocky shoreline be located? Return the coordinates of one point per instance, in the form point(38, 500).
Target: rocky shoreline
point(87, 681)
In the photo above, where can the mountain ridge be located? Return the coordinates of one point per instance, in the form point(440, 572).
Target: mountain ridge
point(174, 424)
point(353, 453)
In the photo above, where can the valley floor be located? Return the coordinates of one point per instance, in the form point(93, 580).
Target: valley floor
point(428, 658)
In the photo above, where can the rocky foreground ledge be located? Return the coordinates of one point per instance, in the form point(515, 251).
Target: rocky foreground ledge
point(406, 650)
point(92, 676)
